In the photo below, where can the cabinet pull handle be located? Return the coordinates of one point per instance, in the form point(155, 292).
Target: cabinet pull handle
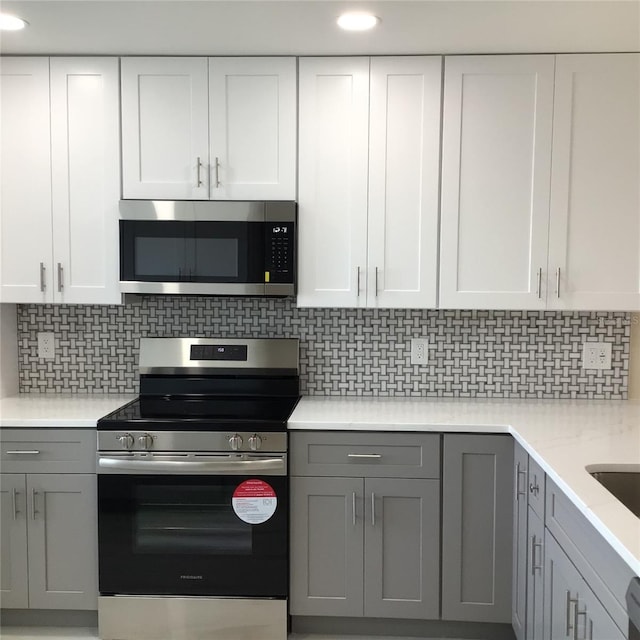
point(217, 172)
point(376, 282)
point(23, 452)
point(60, 277)
point(14, 499)
point(375, 456)
point(43, 280)
point(358, 283)
point(558, 282)
point(519, 474)
point(198, 165)
point(576, 614)
point(535, 567)
point(353, 507)
point(570, 601)
point(373, 509)
point(539, 283)
point(34, 493)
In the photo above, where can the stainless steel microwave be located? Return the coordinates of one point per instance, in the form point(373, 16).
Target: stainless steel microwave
point(208, 248)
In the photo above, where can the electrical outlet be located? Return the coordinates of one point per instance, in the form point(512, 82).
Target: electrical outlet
point(46, 345)
point(596, 355)
point(419, 351)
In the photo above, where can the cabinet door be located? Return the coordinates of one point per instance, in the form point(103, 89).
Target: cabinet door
point(496, 158)
point(326, 546)
point(404, 157)
point(165, 129)
point(14, 591)
point(402, 548)
point(333, 174)
point(63, 541)
point(86, 179)
point(477, 530)
point(26, 270)
point(594, 242)
point(535, 577)
point(519, 576)
point(252, 120)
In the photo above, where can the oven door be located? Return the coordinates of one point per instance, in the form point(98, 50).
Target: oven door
point(217, 535)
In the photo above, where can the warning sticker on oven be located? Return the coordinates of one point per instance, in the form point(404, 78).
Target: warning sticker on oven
point(254, 501)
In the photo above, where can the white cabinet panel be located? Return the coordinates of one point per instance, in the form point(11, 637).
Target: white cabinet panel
point(497, 125)
point(26, 270)
point(403, 181)
point(252, 118)
point(595, 185)
point(333, 173)
point(86, 179)
point(165, 128)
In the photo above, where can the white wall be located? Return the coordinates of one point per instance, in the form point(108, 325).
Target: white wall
point(8, 350)
point(634, 364)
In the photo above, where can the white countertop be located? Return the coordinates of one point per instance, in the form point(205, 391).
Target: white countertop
point(58, 410)
point(563, 436)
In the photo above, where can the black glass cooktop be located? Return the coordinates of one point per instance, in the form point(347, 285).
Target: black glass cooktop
point(202, 413)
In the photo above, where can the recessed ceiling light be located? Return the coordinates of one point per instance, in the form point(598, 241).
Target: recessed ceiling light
point(11, 23)
point(357, 21)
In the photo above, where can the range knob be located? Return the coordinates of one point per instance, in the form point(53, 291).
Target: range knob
point(126, 440)
point(255, 442)
point(146, 441)
point(235, 441)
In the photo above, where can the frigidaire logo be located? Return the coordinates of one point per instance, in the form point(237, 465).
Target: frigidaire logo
point(190, 577)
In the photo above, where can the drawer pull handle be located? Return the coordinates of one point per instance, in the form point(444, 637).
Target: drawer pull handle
point(534, 566)
point(23, 452)
point(372, 456)
point(519, 474)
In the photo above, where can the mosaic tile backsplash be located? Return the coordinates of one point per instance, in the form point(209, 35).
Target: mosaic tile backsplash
point(348, 352)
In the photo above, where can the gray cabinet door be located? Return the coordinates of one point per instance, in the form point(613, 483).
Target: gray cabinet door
point(402, 543)
point(14, 591)
point(327, 546)
point(535, 577)
point(63, 548)
point(477, 527)
point(519, 576)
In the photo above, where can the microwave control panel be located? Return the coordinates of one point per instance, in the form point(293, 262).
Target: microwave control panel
point(279, 264)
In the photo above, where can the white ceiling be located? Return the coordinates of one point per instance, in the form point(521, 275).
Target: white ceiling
point(241, 27)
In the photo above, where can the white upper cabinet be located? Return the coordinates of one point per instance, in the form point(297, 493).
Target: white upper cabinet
point(165, 130)
point(86, 179)
point(26, 272)
point(252, 119)
point(368, 181)
point(60, 180)
point(496, 163)
point(217, 128)
point(594, 241)
point(332, 181)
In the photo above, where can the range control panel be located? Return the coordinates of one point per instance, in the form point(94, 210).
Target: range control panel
point(279, 250)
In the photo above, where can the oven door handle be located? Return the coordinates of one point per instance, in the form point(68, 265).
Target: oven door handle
point(177, 466)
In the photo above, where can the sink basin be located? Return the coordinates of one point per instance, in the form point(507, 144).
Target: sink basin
point(624, 485)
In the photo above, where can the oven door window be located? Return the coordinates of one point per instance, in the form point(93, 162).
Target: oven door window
point(180, 535)
point(168, 521)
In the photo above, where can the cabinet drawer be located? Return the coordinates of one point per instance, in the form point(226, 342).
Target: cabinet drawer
point(356, 454)
point(601, 567)
point(535, 487)
point(48, 450)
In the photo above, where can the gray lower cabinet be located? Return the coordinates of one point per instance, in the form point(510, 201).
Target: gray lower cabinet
point(519, 577)
point(365, 547)
point(48, 526)
point(571, 608)
point(534, 577)
point(49, 534)
point(477, 527)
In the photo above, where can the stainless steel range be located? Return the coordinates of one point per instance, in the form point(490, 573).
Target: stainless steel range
point(193, 493)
